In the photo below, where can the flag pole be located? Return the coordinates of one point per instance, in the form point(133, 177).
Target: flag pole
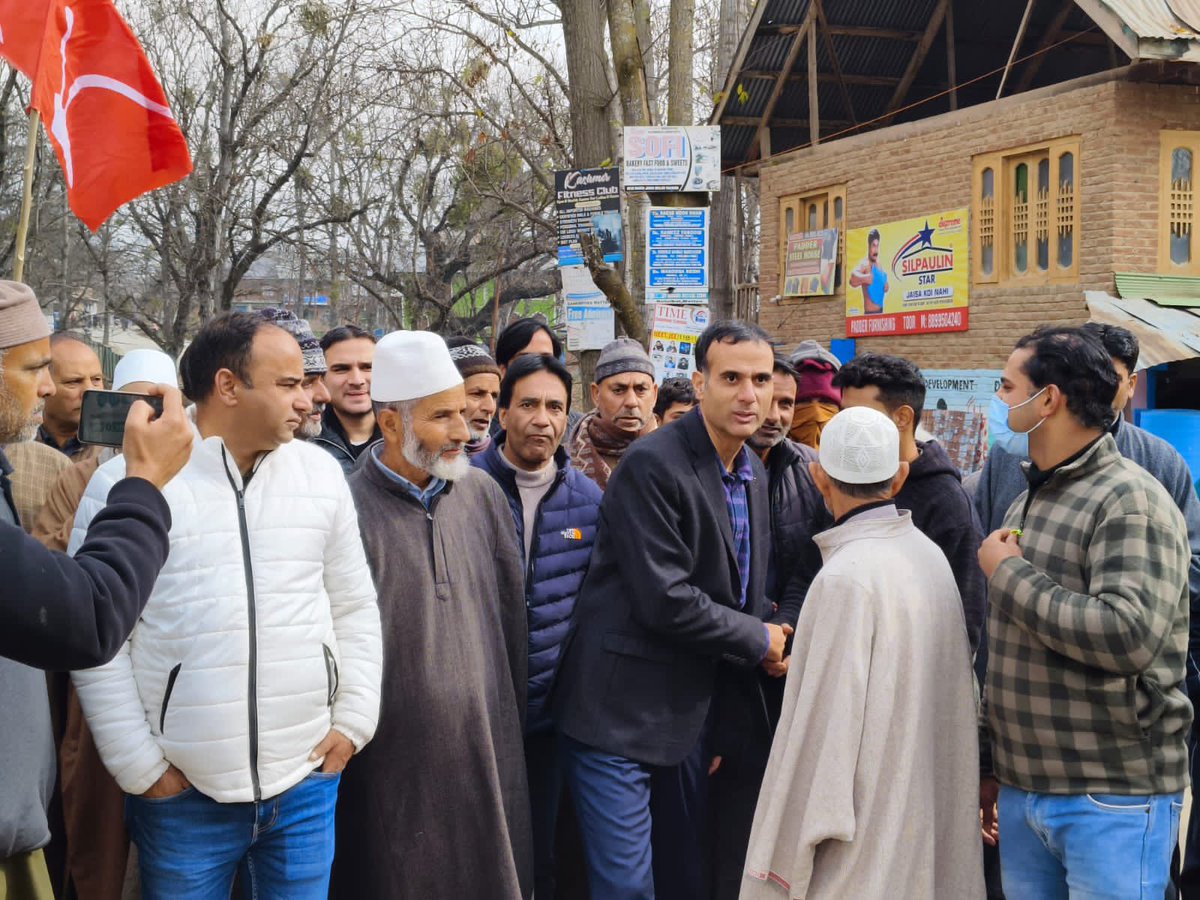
point(35, 119)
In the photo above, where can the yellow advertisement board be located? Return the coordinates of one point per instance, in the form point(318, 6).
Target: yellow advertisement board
point(908, 277)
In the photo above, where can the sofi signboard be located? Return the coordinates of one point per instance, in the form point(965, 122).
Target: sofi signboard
point(672, 158)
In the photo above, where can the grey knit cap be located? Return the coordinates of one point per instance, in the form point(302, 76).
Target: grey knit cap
point(471, 358)
point(623, 355)
point(811, 350)
point(314, 357)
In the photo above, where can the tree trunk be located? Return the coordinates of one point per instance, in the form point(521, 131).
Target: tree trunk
point(680, 68)
point(587, 61)
point(635, 110)
point(721, 292)
point(645, 39)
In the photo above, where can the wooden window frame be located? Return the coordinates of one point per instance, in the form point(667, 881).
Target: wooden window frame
point(1048, 215)
point(1169, 200)
point(799, 203)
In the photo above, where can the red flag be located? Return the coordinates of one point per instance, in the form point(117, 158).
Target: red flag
point(22, 24)
point(104, 110)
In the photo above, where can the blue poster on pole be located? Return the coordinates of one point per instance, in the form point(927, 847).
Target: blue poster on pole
point(677, 255)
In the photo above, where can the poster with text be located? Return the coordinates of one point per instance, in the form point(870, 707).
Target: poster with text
point(673, 339)
point(591, 321)
point(588, 201)
point(672, 158)
point(677, 254)
point(908, 277)
point(956, 404)
point(810, 264)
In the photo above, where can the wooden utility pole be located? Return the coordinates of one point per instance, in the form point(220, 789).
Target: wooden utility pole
point(35, 119)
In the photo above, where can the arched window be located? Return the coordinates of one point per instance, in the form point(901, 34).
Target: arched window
point(987, 222)
point(1180, 212)
point(1020, 218)
point(1064, 213)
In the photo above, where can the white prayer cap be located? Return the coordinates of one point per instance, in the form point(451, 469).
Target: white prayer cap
point(860, 445)
point(153, 366)
point(410, 365)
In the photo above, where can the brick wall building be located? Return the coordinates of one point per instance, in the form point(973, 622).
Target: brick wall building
point(1114, 120)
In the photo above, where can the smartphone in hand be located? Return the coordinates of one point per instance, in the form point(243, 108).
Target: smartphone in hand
point(102, 417)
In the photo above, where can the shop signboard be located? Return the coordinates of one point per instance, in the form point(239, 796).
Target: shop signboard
point(810, 264)
point(591, 322)
point(672, 158)
point(677, 254)
point(588, 201)
point(673, 339)
point(908, 277)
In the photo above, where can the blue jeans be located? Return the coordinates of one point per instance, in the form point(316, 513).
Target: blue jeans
point(190, 847)
point(1087, 846)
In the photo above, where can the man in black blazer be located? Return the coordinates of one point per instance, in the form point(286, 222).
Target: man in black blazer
point(669, 627)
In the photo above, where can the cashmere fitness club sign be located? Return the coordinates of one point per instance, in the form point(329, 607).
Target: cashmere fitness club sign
point(908, 277)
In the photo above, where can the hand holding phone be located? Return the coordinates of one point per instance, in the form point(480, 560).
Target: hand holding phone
point(103, 415)
point(157, 446)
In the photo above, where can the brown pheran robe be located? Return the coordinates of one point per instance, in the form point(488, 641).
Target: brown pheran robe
point(436, 807)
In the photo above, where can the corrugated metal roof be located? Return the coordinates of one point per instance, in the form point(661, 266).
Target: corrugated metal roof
point(1151, 19)
point(785, 12)
point(1165, 290)
point(875, 41)
point(904, 15)
point(1150, 29)
point(1165, 335)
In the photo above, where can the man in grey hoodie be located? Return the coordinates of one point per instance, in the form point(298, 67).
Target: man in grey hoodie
point(58, 612)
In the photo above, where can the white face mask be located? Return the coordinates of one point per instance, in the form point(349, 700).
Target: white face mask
point(1018, 406)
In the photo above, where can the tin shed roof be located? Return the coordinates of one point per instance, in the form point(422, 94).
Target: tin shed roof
point(881, 62)
point(1150, 29)
point(1166, 334)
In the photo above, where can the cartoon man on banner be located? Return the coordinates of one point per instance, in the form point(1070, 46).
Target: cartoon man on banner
point(872, 279)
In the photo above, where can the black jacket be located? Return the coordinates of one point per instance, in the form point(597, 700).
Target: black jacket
point(63, 613)
point(798, 512)
point(943, 511)
point(333, 440)
point(657, 624)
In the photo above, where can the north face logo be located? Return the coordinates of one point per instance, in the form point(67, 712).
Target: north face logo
point(572, 534)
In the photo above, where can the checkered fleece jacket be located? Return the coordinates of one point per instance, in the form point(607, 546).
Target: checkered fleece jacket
point(1089, 634)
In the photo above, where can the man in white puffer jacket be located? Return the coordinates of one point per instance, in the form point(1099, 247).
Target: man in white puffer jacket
point(254, 673)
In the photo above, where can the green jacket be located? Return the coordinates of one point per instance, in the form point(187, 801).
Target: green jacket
point(1089, 633)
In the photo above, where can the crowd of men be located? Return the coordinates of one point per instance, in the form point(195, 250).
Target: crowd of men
point(746, 634)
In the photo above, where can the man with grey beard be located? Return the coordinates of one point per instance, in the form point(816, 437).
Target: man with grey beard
point(314, 367)
point(440, 795)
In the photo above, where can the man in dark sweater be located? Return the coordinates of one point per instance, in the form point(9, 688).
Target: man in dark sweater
point(933, 492)
point(58, 612)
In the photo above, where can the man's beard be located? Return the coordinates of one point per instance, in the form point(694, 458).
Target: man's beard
point(760, 442)
point(311, 428)
point(476, 436)
point(432, 462)
point(14, 426)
